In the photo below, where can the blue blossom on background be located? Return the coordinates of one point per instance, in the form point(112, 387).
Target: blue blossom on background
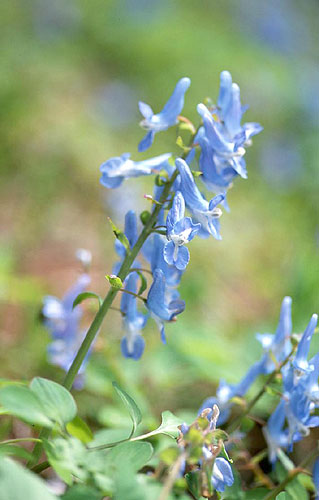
point(166, 118)
point(180, 230)
point(278, 345)
point(116, 169)
point(225, 392)
point(275, 434)
point(160, 307)
point(300, 360)
point(222, 474)
point(204, 212)
point(133, 343)
point(63, 323)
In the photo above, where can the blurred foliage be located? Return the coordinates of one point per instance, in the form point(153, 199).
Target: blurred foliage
point(72, 73)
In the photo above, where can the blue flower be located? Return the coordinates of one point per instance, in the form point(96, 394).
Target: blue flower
point(166, 118)
point(180, 230)
point(300, 362)
point(275, 434)
point(154, 252)
point(225, 152)
point(160, 307)
point(63, 323)
point(231, 111)
point(206, 213)
point(133, 343)
point(226, 392)
point(222, 474)
point(130, 231)
point(116, 169)
point(217, 174)
point(278, 345)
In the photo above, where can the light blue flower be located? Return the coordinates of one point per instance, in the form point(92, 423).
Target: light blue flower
point(225, 151)
point(133, 343)
point(130, 231)
point(222, 474)
point(116, 169)
point(154, 253)
point(217, 174)
point(300, 362)
point(225, 392)
point(204, 212)
point(63, 323)
point(275, 434)
point(160, 307)
point(166, 118)
point(298, 408)
point(231, 111)
point(277, 345)
point(180, 230)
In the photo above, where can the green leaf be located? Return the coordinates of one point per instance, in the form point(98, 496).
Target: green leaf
point(57, 401)
point(24, 404)
point(68, 457)
point(134, 411)
point(282, 496)
point(17, 483)
point(120, 236)
point(127, 487)
point(87, 295)
point(256, 494)
point(109, 436)
point(79, 429)
point(306, 481)
point(16, 451)
point(81, 492)
point(114, 281)
point(295, 489)
point(169, 425)
point(133, 454)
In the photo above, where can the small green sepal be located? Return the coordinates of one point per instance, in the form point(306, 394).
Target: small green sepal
point(114, 281)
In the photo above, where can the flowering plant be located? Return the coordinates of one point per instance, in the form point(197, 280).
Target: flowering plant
point(205, 457)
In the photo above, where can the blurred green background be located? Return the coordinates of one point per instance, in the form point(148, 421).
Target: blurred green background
point(72, 74)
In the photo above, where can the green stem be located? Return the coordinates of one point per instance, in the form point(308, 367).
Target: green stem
point(21, 440)
point(40, 467)
point(292, 474)
point(134, 294)
point(136, 438)
point(237, 421)
point(107, 302)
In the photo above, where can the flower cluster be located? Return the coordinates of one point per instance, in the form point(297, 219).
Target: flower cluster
point(203, 449)
point(294, 414)
point(220, 140)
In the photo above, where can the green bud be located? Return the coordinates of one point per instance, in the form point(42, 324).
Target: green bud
point(144, 216)
point(114, 281)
